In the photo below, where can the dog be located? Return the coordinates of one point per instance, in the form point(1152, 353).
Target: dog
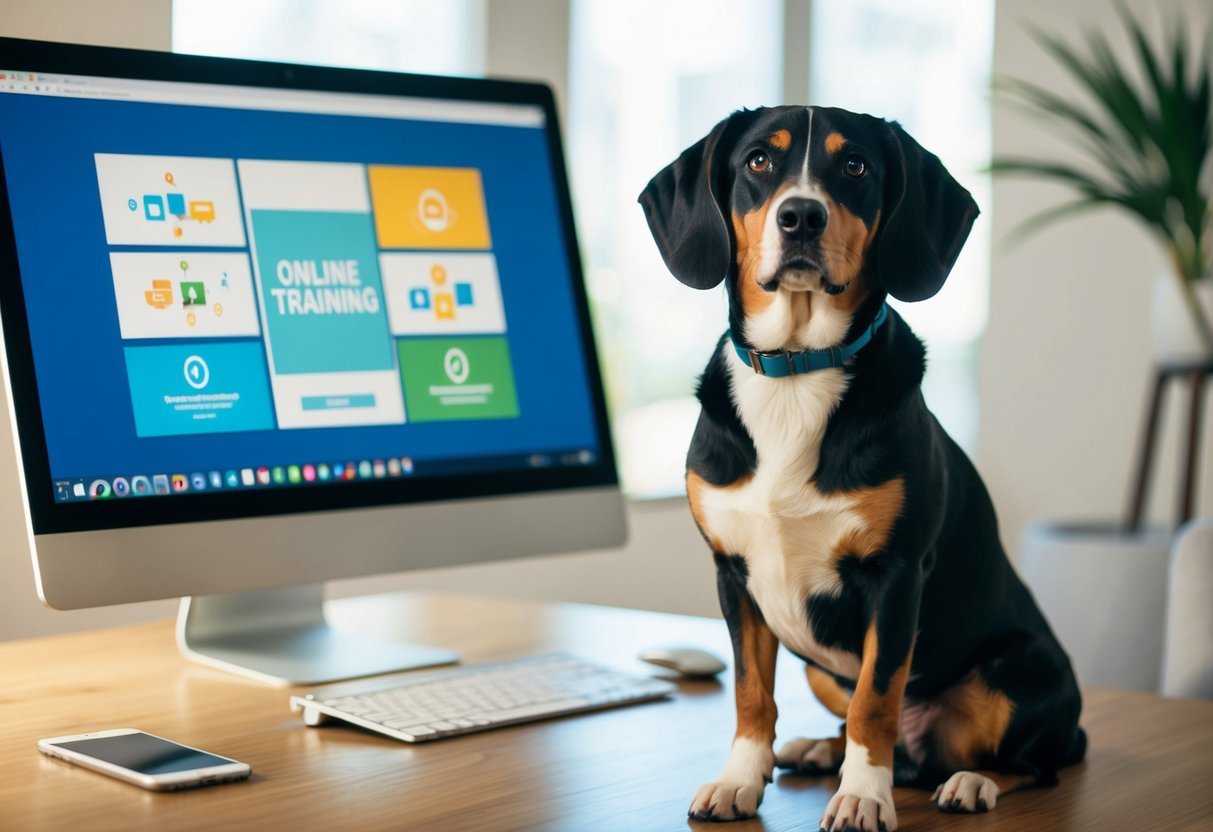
point(844, 522)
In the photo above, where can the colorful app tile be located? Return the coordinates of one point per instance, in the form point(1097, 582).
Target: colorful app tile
point(184, 295)
point(442, 293)
point(198, 388)
point(169, 200)
point(320, 292)
point(457, 378)
point(429, 207)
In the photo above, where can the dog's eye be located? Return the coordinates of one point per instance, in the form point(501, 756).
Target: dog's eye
point(758, 162)
point(855, 166)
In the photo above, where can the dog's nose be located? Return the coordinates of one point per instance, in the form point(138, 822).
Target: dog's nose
point(802, 218)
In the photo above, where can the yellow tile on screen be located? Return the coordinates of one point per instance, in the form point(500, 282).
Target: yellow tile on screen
point(429, 207)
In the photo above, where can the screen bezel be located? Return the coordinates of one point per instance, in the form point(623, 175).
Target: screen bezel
point(51, 517)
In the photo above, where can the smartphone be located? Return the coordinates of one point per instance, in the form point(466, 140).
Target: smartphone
point(145, 759)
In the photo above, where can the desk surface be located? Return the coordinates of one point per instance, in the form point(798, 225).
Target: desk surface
point(632, 769)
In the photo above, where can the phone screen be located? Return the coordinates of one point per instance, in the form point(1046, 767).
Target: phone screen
point(144, 753)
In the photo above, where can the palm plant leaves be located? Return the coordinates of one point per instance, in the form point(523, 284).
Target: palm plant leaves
point(1147, 143)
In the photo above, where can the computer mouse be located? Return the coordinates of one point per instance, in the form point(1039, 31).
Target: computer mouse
point(689, 661)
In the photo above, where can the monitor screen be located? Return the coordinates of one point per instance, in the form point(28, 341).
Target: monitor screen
point(231, 290)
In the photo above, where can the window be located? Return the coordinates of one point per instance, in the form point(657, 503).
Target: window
point(411, 35)
point(925, 63)
point(638, 95)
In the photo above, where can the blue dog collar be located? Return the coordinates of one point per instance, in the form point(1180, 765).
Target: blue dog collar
point(783, 363)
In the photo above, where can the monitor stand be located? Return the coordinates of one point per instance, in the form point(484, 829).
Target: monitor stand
point(281, 636)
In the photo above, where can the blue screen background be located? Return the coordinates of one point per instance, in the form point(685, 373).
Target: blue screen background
point(48, 145)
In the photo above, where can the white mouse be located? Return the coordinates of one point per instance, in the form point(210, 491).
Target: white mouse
point(689, 661)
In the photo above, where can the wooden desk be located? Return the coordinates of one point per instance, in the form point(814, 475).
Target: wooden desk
point(630, 769)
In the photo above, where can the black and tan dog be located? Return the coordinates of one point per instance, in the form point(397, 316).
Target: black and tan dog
point(845, 523)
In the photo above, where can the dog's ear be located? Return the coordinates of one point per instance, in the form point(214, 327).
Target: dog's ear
point(928, 223)
point(683, 206)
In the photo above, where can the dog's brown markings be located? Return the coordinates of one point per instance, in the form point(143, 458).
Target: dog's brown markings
point(828, 692)
point(834, 142)
point(878, 508)
point(873, 718)
point(695, 486)
point(845, 246)
point(972, 721)
point(748, 231)
point(780, 139)
point(755, 676)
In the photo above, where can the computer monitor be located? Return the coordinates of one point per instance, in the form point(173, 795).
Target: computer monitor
point(268, 325)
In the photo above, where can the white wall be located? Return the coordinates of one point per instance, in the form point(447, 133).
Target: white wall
point(1067, 356)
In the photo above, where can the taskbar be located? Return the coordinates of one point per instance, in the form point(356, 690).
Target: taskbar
point(84, 489)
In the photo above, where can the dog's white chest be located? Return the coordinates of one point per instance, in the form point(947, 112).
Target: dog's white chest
point(784, 528)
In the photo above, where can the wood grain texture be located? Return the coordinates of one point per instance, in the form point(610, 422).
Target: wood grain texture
point(632, 769)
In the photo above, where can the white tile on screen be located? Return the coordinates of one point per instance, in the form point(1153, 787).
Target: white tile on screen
point(169, 200)
point(328, 400)
point(211, 297)
point(441, 292)
point(316, 398)
point(303, 186)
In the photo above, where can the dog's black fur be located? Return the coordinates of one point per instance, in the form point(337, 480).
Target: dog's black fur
point(940, 589)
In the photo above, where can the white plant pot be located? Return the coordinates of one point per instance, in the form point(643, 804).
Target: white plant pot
point(1104, 593)
point(1176, 337)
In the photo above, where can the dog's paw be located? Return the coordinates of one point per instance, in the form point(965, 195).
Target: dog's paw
point(855, 812)
point(966, 791)
point(809, 756)
point(727, 800)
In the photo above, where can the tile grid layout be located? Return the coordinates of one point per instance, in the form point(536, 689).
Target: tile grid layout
point(326, 294)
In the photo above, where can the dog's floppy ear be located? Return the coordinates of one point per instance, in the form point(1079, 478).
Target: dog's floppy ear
point(928, 224)
point(682, 205)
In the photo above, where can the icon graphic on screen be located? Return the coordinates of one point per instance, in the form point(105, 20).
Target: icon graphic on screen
point(198, 481)
point(263, 476)
point(442, 299)
point(433, 211)
point(180, 483)
point(216, 479)
point(197, 374)
point(231, 478)
point(278, 475)
point(379, 469)
point(193, 294)
point(160, 296)
point(99, 490)
point(158, 207)
point(78, 490)
point(247, 477)
point(393, 467)
point(160, 483)
point(309, 473)
point(141, 486)
point(406, 465)
point(455, 365)
point(322, 472)
point(364, 469)
point(293, 474)
point(121, 487)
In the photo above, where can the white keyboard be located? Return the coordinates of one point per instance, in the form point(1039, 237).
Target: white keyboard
point(484, 697)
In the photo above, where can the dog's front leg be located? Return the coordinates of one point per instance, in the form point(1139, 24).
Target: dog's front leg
point(864, 800)
point(738, 791)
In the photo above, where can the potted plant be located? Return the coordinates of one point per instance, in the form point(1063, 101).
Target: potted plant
point(1149, 144)
point(1144, 129)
